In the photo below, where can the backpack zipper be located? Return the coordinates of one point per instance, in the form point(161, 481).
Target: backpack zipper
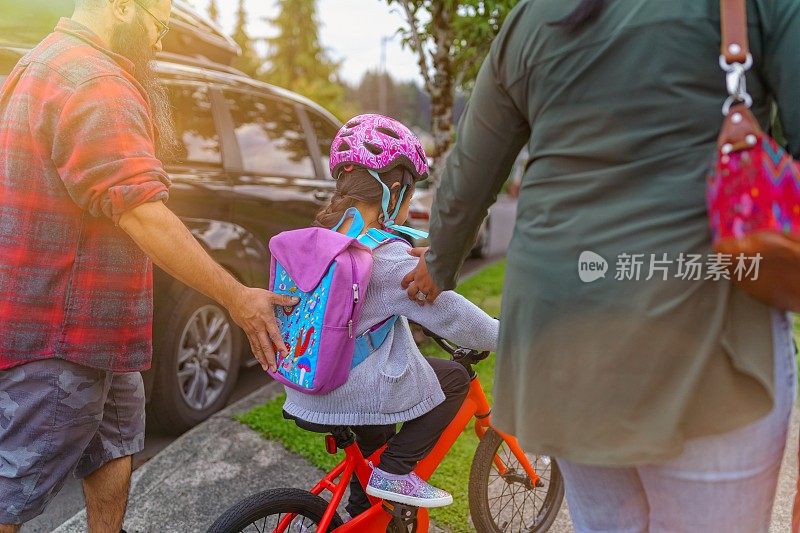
point(355, 295)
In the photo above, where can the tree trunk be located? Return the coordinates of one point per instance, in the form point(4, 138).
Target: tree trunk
point(442, 88)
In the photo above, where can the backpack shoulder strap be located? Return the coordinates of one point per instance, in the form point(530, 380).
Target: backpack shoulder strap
point(374, 238)
point(372, 340)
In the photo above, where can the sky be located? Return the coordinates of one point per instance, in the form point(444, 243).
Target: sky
point(351, 32)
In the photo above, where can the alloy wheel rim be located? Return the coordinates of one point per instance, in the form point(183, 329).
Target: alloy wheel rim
point(204, 357)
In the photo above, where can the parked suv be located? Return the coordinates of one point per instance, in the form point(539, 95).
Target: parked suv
point(253, 163)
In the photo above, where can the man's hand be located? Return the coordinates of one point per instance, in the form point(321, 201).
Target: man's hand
point(172, 247)
point(253, 310)
point(419, 282)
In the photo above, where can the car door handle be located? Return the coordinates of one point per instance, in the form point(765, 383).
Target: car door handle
point(323, 196)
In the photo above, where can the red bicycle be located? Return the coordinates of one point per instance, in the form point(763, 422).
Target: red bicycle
point(509, 490)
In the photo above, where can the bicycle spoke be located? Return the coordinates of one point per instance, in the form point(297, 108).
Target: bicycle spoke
point(522, 512)
point(513, 500)
point(528, 498)
point(506, 505)
point(524, 505)
point(502, 493)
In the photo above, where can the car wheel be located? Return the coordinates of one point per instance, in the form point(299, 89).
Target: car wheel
point(197, 355)
point(483, 242)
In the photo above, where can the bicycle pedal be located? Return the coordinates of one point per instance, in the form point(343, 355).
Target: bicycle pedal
point(401, 511)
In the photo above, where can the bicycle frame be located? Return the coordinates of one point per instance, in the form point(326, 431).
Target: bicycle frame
point(377, 518)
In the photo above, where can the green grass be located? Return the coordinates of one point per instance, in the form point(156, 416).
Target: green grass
point(484, 290)
point(797, 337)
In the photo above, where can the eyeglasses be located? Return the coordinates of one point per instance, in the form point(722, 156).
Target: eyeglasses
point(164, 27)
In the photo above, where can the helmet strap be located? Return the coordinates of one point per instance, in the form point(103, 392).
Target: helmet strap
point(386, 197)
point(356, 227)
point(388, 221)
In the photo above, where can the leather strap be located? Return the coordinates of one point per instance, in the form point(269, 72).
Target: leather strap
point(740, 131)
point(735, 44)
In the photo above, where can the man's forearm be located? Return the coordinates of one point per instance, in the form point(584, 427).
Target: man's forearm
point(163, 237)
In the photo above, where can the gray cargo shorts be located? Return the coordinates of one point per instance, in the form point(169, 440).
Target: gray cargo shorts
point(57, 417)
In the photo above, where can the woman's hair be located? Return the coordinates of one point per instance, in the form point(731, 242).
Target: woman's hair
point(358, 185)
point(586, 11)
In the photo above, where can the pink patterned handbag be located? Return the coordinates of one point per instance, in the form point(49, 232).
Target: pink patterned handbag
point(753, 191)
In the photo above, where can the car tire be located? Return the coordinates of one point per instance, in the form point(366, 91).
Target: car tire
point(196, 359)
point(483, 242)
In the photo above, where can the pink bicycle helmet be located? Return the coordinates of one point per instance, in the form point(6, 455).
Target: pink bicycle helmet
point(377, 143)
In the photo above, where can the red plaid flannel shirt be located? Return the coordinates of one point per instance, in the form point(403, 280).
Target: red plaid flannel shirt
point(76, 151)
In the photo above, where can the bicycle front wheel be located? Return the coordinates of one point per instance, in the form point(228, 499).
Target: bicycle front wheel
point(510, 502)
point(262, 512)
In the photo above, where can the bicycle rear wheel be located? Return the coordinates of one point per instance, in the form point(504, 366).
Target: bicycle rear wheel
point(510, 502)
point(262, 512)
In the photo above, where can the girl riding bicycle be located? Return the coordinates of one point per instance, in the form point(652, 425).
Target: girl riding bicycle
point(376, 162)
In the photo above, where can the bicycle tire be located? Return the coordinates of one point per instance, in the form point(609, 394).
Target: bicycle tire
point(479, 488)
point(269, 503)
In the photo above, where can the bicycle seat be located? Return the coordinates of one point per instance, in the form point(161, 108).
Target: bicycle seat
point(311, 426)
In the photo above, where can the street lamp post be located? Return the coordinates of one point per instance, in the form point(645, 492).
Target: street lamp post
point(383, 88)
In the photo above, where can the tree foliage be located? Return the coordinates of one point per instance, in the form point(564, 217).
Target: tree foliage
point(213, 11)
point(297, 61)
point(248, 62)
point(451, 39)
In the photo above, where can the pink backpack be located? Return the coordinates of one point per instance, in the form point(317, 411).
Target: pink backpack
point(330, 273)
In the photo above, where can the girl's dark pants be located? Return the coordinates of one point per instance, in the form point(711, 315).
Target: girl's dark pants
point(416, 437)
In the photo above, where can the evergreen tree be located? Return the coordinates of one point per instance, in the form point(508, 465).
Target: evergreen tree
point(297, 60)
point(248, 62)
point(213, 11)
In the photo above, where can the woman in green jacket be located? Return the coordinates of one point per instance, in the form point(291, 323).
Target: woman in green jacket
point(663, 391)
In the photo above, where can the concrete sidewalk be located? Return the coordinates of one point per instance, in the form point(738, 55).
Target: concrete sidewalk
point(188, 485)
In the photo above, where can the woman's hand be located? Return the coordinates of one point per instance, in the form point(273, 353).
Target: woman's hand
point(418, 283)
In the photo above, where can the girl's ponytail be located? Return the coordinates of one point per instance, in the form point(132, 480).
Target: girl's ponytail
point(328, 217)
point(357, 186)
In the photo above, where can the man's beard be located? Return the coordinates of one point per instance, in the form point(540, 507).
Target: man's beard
point(132, 42)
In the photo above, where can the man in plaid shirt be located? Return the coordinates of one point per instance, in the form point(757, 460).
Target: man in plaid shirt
point(82, 215)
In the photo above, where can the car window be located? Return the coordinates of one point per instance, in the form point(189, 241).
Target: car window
point(270, 136)
point(325, 132)
point(194, 126)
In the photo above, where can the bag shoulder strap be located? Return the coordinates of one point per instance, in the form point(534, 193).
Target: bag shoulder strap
point(374, 238)
point(740, 130)
point(735, 43)
point(371, 340)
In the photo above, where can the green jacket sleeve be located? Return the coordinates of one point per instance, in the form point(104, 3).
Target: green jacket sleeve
point(489, 138)
point(781, 67)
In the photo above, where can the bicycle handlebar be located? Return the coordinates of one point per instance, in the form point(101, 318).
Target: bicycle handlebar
point(461, 355)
